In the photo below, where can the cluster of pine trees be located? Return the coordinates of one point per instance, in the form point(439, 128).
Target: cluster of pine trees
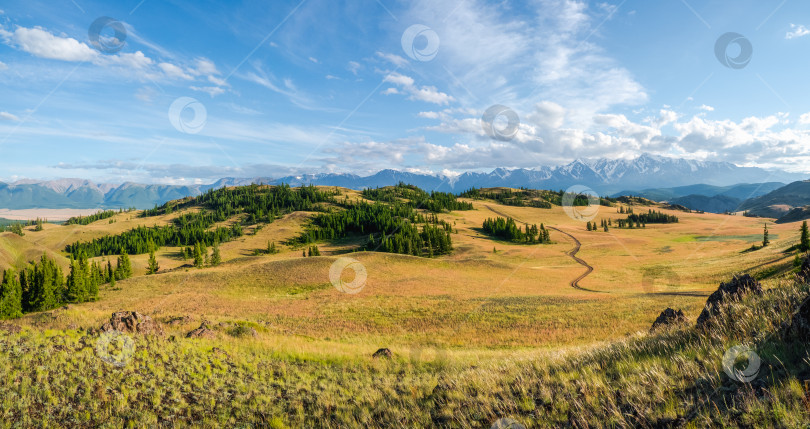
point(641, 220)
point(188, 229)
point(16, 228)
point(436, 202)
point(199, 254)
point(520, 198)
point(41, 285)
point(391, 227)
point(86, 220)
point(604, 224)
point(507, 229)
point(257, 202)
point(311, 251)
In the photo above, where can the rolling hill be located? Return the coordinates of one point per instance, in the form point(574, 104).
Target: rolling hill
point(780, 202)
point(491, 333)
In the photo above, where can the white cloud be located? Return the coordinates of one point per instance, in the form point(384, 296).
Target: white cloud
point(354, 67)
point(135, 61)
point(5, 116)
point(43, 44)
point(707, 108)
point(399, 79)
point(174, 72)
point(551, 53)
point(213, 91)
point(428, 94)
point(204, 66)
point(393, 59)
point(3, 66)
point(314, 60)
point(797, 31)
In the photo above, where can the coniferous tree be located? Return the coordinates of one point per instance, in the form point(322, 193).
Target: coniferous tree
point(153, 264)
point(198, 255)
point(76, 288)
point(124, 268)
point(43, 285)
point(216, 258)
point(10, 296)
point(804, 240)
point(765, 240)
point(271, 248)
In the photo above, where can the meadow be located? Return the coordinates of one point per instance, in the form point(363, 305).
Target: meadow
point(493, 330)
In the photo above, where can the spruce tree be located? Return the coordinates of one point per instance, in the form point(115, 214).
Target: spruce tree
point(76, 291)
point(10, 296)
point(198, 255)
point(216, 258)
point(124, 269)
point(765, 240)
point(153, 263)
point(804, 241)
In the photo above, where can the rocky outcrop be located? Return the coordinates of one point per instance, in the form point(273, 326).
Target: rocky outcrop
point(668, 317)
point(132, 322)
point(383, 353)
point(204, 331)
point(798, 328)
point(731, 291)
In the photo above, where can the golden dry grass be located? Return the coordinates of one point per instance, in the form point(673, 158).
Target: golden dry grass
point(471, 303)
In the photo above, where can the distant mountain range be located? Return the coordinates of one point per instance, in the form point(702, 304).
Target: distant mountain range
point(708, 198)
point(604, 176)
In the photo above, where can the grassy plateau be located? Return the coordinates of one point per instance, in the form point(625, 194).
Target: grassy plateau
point(494, 333)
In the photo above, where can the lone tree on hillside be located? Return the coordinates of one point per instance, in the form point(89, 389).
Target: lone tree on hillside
point(765, 240)
point(804, 241)
point(153, 263)
point(216, 258)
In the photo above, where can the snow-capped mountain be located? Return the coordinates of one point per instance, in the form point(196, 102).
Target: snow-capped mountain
point(605, 176)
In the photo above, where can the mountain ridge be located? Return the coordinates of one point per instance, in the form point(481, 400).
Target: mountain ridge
point(604, 176)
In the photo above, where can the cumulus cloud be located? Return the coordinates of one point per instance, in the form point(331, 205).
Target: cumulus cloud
point(41, 43)
point(428, 94)
point(5, 116)
point(393, 59)
point(796, 31)
point(174, 71)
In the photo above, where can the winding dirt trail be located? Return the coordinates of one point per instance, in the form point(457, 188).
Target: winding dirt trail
point(572, 253)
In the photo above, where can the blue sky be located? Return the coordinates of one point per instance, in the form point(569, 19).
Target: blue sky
point(270, 88)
